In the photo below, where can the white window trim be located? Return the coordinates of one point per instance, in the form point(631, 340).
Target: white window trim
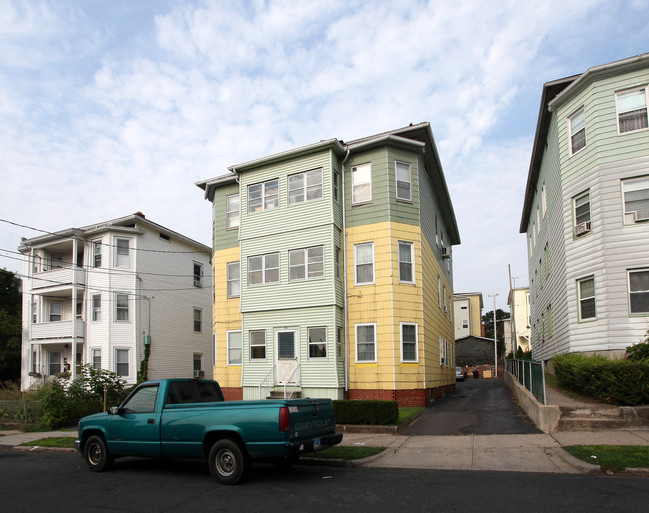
point(97, 310)
point(263, 196)
point(198, 280)
point(200, 319)
point(629, 292)
point(316, 343)
point(396, 181)
point(412, 260)
point(364, 201)
point(305, 188)
point(442, 356)
point(265, 269)
point(229, 213)
point(93, 352)
point(580, 299)
point(265, 345)
point(373, 324)
point(115, 362)
point(228, 333)
point(617, 109)
point(305, 253)
point(401, 325)
point(130, 250)
point(629, 218)
point(544, 199)
point(229, 281)
point(97, 252)
point(570, 130)
point(128, 309)
point(574, 212)
point(356, 282)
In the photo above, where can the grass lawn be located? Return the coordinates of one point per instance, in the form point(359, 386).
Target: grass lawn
point(65, 442)
point(614, 457)
point(406, 414)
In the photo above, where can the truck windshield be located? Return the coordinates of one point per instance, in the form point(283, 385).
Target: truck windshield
point(194, 392)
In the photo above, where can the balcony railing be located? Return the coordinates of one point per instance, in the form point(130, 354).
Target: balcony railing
point(61, 276)
point(56, 330)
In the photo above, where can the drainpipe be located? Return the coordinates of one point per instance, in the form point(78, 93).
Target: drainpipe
point(344, 271)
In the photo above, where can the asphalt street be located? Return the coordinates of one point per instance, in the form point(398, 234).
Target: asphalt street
point(51, 481)
point(475, 407)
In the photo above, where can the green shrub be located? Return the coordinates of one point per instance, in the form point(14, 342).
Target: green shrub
point(622, 382)
point(381, 413)
point(638, 352)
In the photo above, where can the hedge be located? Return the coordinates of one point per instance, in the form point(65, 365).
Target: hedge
point(374, 412)
point(621, 382)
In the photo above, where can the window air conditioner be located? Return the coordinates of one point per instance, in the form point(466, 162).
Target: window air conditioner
point(199, 374)
point(582, 228)
point(640, 215)
point(445, 253)
point(197, 283)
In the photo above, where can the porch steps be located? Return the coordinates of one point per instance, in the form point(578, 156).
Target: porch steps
point(278, 393)
point(591, 418)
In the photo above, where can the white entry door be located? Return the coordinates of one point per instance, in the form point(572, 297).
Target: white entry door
point(286, 358)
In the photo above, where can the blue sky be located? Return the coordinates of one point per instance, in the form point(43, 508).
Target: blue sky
point(108, 108)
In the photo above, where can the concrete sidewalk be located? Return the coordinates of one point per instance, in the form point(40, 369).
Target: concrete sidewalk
point(512, 453)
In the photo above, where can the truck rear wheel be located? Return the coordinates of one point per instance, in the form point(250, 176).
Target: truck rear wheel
point(96, 455)
point(228, 462)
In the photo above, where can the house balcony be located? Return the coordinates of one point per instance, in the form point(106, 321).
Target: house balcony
point(59, 278)
point(57, 331)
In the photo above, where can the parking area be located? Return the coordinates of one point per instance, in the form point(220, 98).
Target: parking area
point(475, 407)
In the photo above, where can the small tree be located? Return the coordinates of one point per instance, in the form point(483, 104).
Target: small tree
point(639, 351)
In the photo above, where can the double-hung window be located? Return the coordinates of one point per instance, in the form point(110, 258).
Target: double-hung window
point(258, 344)
point(409, 342)
point(361, 183)
point(232, 212)
point(263, 196)
point(404, 181)
point(586, 294)
point(636, 199)
point(544, 199)
point(578, 131)
point(364, 263)
point(305, 186)
point(198, 274)
point(96, 358)
point(581, 208)
point(122, 253)
point(122, 362)
point(234, 284)
point(234, 347)
point(335, 185)
point(121, 307)
point(317, 342)
point(639, 291)
point(406, 260)
point(365, 343)
point(96, 307)
point(632, 110)
point(263, 269)
point(56, 312)
point(198, 320)
point(96, 250)
point(306, 263)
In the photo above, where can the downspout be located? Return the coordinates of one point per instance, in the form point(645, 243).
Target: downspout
point(344, 271)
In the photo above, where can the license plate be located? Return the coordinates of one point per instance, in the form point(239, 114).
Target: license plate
point(316, 444)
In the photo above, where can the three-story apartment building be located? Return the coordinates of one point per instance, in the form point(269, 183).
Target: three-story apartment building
point(101, 293)
point(333, 271)
point(586, 212)
point(468, 314)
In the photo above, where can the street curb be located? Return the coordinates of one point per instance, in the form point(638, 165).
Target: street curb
point(38, 448)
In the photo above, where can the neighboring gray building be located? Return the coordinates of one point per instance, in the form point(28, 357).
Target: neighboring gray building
point(474, 351)
point(586, 212)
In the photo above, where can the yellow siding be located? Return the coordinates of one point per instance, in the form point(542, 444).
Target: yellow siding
point(388, 303)
point(226, 317)
point(476, 316)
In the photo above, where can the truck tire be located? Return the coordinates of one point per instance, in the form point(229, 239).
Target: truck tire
point(96, 455)
point(228, 462)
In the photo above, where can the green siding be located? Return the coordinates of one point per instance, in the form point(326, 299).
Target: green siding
point(222, 238)
point(404, 211)
point(377, 210)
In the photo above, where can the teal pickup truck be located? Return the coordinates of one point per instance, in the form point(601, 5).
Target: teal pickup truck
point(189, 418)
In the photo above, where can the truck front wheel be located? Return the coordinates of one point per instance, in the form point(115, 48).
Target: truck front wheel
point(96, 455)
point(228, 462)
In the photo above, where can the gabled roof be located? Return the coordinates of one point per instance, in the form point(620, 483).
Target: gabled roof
point(418, 137)
point(554, 93)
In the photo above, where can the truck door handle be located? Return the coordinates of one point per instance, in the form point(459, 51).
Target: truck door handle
point(150, 421)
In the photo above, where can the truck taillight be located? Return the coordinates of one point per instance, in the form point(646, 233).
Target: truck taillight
point(284, 420)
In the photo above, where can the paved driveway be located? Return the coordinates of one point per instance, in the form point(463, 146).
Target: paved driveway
point(476, 407)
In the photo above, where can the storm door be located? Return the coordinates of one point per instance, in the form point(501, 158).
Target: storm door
point(286, 358)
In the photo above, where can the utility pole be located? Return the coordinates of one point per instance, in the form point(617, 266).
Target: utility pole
point(495, 337)
point(512, 309)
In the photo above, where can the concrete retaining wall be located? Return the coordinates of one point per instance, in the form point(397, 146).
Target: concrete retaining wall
point(546, 418)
